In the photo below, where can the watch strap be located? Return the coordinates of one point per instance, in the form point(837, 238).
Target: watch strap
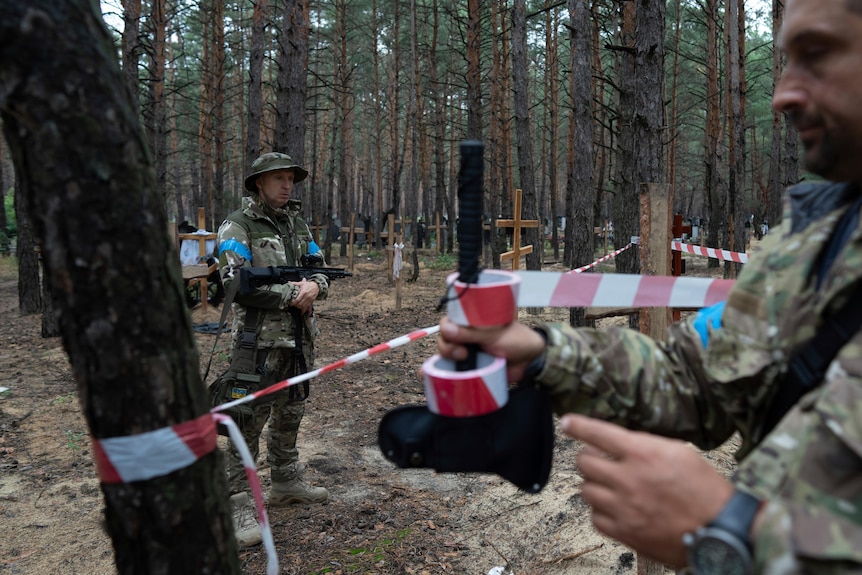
point(738, 515)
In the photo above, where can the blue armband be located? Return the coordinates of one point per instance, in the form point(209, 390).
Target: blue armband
point(235, 246)
point(708, 316)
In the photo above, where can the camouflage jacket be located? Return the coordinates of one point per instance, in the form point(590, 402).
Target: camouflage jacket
point(254, 236)
point(713, 378)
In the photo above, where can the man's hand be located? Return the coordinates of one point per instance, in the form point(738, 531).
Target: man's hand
point(645, 491)
point(304, 299)
point(515, 342)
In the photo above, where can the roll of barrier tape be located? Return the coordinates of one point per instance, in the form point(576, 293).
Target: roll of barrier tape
point(465, 393)
point(492, 301)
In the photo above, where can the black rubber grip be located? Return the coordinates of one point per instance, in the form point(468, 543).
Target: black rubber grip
point(470, 210)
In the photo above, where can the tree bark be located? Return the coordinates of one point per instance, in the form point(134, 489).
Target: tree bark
point(580, 189)
point(131, 48)
point(255, 83)
point(526, 169)
point(128, 336)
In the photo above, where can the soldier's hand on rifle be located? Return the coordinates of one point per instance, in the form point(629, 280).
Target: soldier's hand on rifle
point(304, 299)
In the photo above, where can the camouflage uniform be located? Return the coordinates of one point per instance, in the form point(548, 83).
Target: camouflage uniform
point(706, 382)
point(256, 235)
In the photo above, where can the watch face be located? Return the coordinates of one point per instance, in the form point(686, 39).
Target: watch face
point(716, 556)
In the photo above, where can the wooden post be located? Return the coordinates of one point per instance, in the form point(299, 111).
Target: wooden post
point(351, 231)
point(517, 223)
point(655, 260)
point(676, 257)
point(655, 251)
point(199, 273)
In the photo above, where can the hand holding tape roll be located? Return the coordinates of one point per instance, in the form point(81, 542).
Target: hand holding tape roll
point(477, 384)
point(471, 423)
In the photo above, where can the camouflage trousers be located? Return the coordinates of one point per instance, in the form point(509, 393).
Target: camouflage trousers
point(284, 414)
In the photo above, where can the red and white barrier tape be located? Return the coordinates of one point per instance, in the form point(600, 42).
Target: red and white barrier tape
point(154, 453)
point(723, 255)
point(254, 483)
point(551, 289)
point(379, 348)
point(491, 301)
point(600, 260)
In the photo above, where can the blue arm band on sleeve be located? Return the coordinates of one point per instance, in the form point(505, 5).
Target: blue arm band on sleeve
point(313, 248)
point(708, 316)
point(235, 246)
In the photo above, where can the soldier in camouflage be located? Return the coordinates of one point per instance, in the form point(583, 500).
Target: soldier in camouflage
point(268, 231)
point(718, 372)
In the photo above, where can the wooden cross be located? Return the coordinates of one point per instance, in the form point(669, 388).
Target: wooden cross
point(517, 223)
point(198, 273)
point(437, 236)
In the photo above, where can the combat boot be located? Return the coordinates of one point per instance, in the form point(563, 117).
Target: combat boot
point(296, 491)
point(244, 517)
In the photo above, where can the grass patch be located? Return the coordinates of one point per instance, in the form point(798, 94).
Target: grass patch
point(364, 559)
point(441, 262)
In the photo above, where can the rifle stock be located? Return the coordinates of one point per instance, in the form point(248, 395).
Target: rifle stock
point(251, 278)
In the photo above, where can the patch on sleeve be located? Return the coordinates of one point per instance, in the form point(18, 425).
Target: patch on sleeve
point(235, 246)
point(708, 316)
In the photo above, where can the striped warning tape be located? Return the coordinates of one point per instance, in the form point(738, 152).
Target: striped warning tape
point(379, 348)
point(600, 260)
point(254, 483)
point(552, 289)
point(156, 453)
point(723, 255)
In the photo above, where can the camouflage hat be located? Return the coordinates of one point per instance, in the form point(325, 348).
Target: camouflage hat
point(273, 161)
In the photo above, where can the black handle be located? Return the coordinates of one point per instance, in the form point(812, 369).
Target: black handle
point(470, 179)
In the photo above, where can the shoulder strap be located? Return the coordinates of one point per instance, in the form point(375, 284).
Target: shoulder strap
point(808, 367)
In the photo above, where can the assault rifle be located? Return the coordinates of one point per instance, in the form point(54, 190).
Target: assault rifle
point(250, 278)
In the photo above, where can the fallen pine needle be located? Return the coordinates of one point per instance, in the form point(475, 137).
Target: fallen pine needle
point(574, 555)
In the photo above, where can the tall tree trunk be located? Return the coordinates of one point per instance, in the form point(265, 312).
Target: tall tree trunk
point(736, 206)
point(29, 286)
point(127, 334)
point(500, 199)
point(552, 50)
point(131, 48)
point(625, 204)
point(255, 83)
point(580, 189)
point(673, 134)
point(378, 123)
point(474, 71)
point(715, 204)
point(207, 96)
point(775, 180)
point(345, 113)
point(293, 81)
point(155, 108)
point(439, 96)
point(218, 205)
point(526, 169)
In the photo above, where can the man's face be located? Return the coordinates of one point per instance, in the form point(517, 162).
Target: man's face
point(275, 187)
point(821, 89)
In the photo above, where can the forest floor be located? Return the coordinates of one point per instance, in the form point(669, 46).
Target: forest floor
point(379, 519)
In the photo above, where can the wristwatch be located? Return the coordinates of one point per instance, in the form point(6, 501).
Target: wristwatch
point(723, 546)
